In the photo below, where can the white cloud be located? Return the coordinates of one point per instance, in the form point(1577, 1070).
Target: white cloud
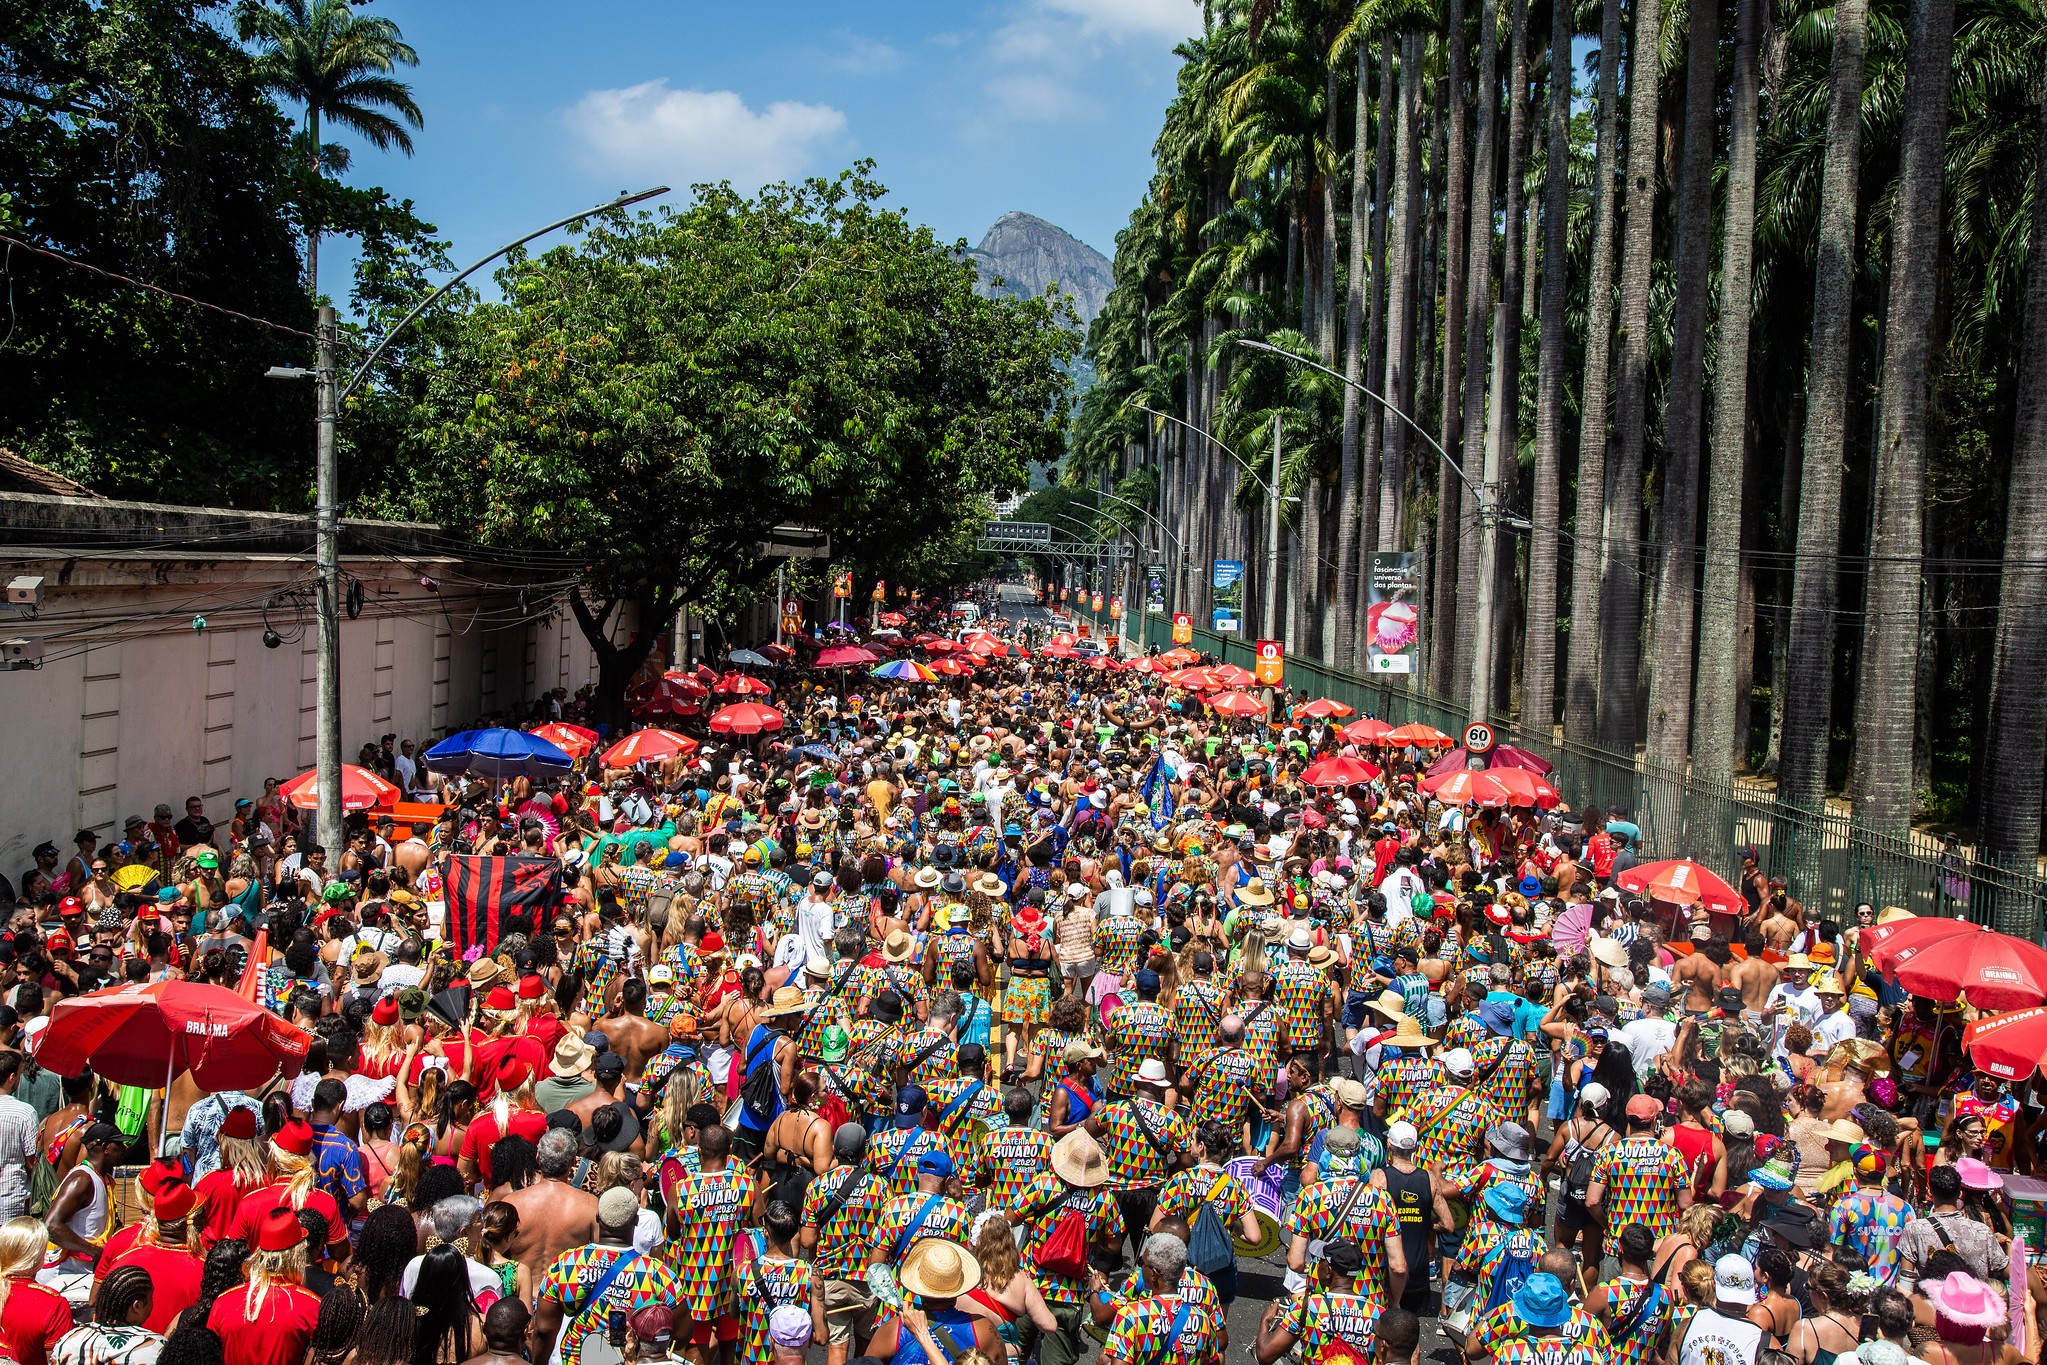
point(1038, 98)
point(863, 56)
point(1172, 19)
point(701, 135)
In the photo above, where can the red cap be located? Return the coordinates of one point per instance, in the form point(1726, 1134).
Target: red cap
point(239, 1123)
point(327, 913)
point(280, 1231)
point(531, 988)
point(385, 1011)
point(159, 1173)
point(512, 1073)
point(70, 905)
point(296, 1137)
point(500, 1000)
point(59, 942)
point(174, 1200)
point(712, 942)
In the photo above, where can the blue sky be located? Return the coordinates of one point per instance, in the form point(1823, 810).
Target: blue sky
point(970, 109)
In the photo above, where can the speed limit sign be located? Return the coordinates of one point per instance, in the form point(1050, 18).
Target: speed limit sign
point(1479, 738)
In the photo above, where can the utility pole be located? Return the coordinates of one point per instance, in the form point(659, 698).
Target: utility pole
point(1488, 561)
point(1272, 541)
point(327, 567)
point(781, 596)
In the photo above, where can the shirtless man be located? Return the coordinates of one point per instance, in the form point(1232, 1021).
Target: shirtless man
point(1752, 976)
point(634, 1038)
point(1701, 972)
point(553, 1214)
point(504, 1334)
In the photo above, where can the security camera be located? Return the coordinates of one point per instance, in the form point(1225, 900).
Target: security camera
point(25, 590)
point(20, 653)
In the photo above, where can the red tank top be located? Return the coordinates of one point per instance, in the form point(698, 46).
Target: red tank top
point(1695, 1145)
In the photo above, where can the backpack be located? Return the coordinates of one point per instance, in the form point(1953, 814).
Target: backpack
point(1512, 1262)
point(1064, 1251)
point(1209, 1248)
point(1578, 1178)
point(760, 1094)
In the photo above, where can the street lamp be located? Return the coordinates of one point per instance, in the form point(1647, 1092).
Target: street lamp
point(327, 510)
point(1488, 527)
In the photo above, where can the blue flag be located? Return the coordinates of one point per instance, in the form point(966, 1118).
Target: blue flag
point(1157, 794)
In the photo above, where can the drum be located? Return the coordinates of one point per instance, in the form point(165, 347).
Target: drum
point(1265, 1206)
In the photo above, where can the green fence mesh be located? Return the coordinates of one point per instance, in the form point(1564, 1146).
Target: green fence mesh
point(1829, 862)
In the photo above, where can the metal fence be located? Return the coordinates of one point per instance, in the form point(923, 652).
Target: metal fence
point(1829, 861)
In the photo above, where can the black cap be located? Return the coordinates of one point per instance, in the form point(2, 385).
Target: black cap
point(565, 1120)
point(1344, 1256)
point(100, 1134)
point(608, 1064)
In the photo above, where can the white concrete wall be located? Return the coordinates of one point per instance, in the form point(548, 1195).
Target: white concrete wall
point(134, 707)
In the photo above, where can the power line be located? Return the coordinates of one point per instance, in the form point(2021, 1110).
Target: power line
point(133, 283)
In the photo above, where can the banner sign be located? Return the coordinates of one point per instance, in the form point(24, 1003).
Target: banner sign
point(1115, 609)
point(1226, 585)
point(1183, 628)
point(1155, 591)
point(1393, 613)
point(842, 585)
point(1096, 608)
point(1269, 666)
point(880, 589)
point(481, 893)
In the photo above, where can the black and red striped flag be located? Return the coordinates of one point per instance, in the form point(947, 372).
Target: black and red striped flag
point(481, 892)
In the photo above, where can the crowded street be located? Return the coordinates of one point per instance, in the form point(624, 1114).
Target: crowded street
point(1041, 1008)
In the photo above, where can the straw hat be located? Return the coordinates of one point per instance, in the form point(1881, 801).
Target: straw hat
point(1842, 1130)
point(988, 884)
point(927, 878)
point(937, 1269)
point(1407, 1033)
point(1863, 1054)
point(1077, 1159)
point(1891, 914)
point(1254, 892)
point(484, 973)
point(1608, 952)
point(572, 1057)
point(1392, 1004)
point(898, 946)
point(787, 1000)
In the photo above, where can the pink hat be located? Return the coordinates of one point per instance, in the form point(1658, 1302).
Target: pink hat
point(1977, 1176)
point(1964, 1300)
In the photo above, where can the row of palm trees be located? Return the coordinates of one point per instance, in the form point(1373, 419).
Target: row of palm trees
point(1720, 343)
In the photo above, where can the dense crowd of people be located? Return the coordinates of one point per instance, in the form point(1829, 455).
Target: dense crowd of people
point(1018, 1018)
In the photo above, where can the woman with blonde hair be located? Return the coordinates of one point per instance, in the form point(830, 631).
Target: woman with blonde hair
point(270, 1318)
point(1004, 1297)
point(32, 1316)
point(242, 1172)
point(293, 1185)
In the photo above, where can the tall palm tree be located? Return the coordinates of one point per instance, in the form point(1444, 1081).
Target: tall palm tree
point(1670, 660)
point(1361, 342)
point(1886, 700)
point(1503, 422)
point(339, 65)
point(1402, 303)
point(1714, 738)
point(1539, 657)
point(1478, 304)
point(1581, 694)
point(1808, 702)
point(2018, 684)
point(1620, 652)
point(1449, 426)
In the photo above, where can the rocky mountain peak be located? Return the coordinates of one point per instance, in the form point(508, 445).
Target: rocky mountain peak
point(1028, 254)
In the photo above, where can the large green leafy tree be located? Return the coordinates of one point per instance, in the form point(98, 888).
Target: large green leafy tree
point(649, 402)
point(134, 135)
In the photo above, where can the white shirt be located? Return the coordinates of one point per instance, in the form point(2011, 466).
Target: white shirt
point(1400, 887)
point(408, 771)
point(1832, 1029)
point(1646, 1040)
point(814, 928)
point(1792, 1002)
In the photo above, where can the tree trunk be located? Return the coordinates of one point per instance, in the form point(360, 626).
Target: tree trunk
point(1886, 701)
point(1503, 445)
point(1670, 659)
point(1449, 498)
point(1350, 475)
point(1400, 294)
point(1620, 654)
point(1539, 658)
point(1808, 700)
point(1478, 304)
point(1718, 736)
point(2014, 764)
